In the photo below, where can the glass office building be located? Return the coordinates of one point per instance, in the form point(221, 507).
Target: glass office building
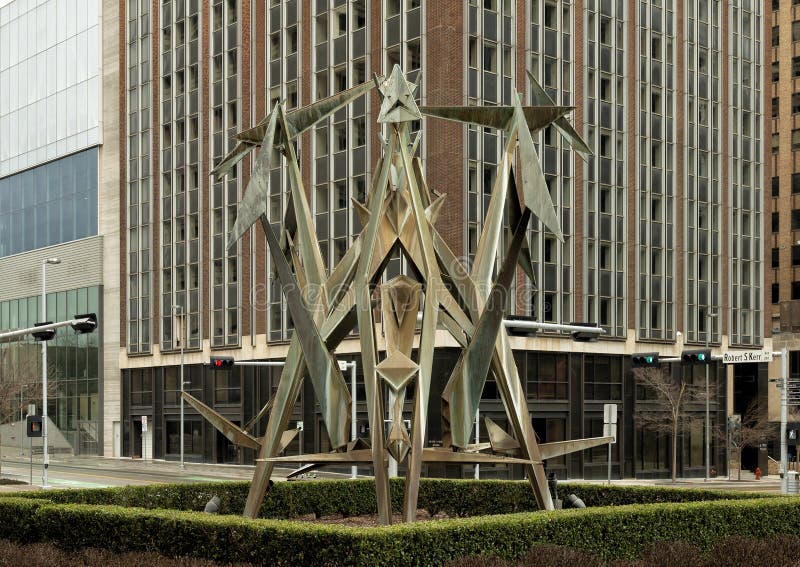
point(57, 130)
point(49, 204)
point(73, 361)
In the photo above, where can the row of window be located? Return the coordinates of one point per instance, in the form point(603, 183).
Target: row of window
point(775, 140)
point(795, 254)
point(776, 291)
point(776, 33)
point(795, 185)
point(776, 4)
point(795, 105)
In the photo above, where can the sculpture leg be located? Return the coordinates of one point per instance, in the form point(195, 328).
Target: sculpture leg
point(420, 418)
point(285, 398)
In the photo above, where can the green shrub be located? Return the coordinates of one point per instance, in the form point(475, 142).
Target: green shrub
point(453, 497)
point(16, 518)
point(609, 532)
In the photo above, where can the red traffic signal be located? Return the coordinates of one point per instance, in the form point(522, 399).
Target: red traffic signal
point(222, 362)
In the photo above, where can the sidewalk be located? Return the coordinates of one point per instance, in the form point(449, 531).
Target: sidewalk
point(245, 472)
point(153, 466)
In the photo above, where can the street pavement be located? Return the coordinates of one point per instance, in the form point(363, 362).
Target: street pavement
point(94, 472)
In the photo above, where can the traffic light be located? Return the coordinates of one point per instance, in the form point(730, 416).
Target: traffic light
point(44, 334)
point(644, 359)
point(34, 425)
point(87, 326)
point(222, 362)
point(581, 337)
point(700, 356)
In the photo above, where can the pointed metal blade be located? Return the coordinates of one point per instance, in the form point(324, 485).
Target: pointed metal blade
point(254, 203)
point(540, 97)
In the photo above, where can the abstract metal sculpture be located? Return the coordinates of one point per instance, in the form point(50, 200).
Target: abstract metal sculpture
point(400, 213)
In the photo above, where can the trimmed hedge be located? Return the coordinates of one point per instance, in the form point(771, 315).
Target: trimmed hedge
point(456, 498)
point(611, 532)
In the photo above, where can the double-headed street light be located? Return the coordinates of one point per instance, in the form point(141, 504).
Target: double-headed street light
point(45, 457)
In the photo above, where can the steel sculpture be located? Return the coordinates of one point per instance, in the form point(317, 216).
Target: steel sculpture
point(400, 213)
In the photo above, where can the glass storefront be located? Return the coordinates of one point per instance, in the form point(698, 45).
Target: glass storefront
point(74, 367)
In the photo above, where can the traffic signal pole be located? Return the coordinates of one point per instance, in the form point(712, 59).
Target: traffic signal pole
point(784, 418)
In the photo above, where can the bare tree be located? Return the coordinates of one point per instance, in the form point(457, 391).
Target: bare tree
point(665, 411)
point(751, 431)
point(20, 381)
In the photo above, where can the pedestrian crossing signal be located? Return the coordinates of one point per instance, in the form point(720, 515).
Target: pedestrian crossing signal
point(34, 423)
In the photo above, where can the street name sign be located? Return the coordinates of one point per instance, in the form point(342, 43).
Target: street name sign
point(736, 357)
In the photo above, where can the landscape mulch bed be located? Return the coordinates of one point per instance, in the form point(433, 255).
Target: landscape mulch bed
point(368, 520)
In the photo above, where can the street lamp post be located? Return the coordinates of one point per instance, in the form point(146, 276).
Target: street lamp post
point(708, 398)
point(45, 456)
point(182, 314)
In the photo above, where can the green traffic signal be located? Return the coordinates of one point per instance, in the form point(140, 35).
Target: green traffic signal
point(699, 356)
point(644, 360)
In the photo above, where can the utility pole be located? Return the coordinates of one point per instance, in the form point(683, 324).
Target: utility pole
point(784, 418)
point(709, 328)
point(45, 456)
point(182, 338)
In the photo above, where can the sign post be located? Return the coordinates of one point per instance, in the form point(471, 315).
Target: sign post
point(610, 430)
point(144, 437)
point(31, 411)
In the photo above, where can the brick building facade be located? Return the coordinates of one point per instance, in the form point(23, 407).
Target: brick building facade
point(663, 224)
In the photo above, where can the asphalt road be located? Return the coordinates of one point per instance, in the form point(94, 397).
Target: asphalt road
point(96, 472)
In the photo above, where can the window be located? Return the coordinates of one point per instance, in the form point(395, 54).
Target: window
point(50, 204)
point(227, 390)
point(795, 255)
point(776, 36)
point(776, 293)
point(775, 258)
point(796, 31)
point(775, 142)
point(775, 71)
point(795, 183)
point(547, 376)
point(795, 290)
point(141, 387)
point(775, 222)
point(796, 219)
point(776, 186)
point(795, 67)
point(775, 106)
point(490, 57)
point(796, 138)
point(776, 4)
point(602, 378)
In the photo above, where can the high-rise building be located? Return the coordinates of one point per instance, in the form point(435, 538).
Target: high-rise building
point(782, 243)
point(59, 198)
point(663, 223)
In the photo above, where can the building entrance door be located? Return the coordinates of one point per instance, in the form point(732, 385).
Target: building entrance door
point(227, 452)
point(136, 441)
